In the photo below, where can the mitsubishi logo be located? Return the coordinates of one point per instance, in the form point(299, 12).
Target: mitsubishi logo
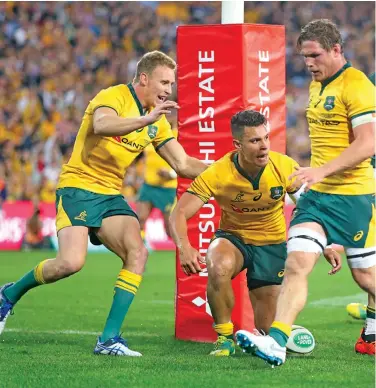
point(200, 302)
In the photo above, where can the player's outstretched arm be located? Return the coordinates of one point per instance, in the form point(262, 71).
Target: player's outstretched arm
point(106, 122)
point(187, 206)
point(184, 165)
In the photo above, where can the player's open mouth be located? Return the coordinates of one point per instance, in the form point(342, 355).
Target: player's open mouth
point(161, 98)
point(262, 157)
point(315, 72)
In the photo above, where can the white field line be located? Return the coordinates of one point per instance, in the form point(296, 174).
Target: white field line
point(76, 332)
point(333, 301)
point(340, 300)
point(93, 333)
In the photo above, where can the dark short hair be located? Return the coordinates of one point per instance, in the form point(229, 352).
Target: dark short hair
point(323, 31)
point(245, 118)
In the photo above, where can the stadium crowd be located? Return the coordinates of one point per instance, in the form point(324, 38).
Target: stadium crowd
point(55, 56)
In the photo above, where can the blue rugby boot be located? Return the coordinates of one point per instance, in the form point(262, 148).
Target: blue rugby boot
point(264, 347)
point(115, 346)
point(6, 306)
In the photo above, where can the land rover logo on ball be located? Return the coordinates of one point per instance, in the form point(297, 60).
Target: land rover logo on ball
point(303, 340)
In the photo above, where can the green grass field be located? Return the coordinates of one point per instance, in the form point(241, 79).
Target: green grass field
point(49, 340)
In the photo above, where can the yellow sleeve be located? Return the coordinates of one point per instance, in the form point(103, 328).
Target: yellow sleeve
point(163, 132)
point(359, 97)
point(110, 98)
point(204, 186)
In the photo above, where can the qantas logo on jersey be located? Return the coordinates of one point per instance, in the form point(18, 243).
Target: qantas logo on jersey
point(125, 141)
point(323, 122)
point(249, 210)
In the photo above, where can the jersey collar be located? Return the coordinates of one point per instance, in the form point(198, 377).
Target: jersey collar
point(134, 95)
point(333, 77)
point(256, 181)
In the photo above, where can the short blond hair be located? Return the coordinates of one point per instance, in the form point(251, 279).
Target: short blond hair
point(152, 60)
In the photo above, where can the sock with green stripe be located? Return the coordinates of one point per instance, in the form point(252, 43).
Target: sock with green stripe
point(126, 287)
point(280, 332)
point(32, 279)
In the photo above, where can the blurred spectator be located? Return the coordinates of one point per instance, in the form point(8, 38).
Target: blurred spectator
point(33, 238)
point(55, 56)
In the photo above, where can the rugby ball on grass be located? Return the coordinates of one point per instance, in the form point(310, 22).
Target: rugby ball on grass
point(301, 341)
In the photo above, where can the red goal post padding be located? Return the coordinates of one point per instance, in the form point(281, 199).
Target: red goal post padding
point(222, 69)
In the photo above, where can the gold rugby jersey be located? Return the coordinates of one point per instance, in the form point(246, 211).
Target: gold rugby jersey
point(252, 209)
point(99, 163)
point(154, 163)
point(336, 106)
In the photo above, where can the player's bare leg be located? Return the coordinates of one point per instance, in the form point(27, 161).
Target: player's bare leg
point(121, 234)
point(293, 293)
point(299, 264)
point(224, 261)
point(166, 218)
point(294, 290)
point(69, 260)
point(71, 255)
point(365, 278)
point(264, 304)
point(143, 212)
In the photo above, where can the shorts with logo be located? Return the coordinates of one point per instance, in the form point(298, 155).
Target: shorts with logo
point(347, 220)
point(265, 264)
point(78, 207)
point(162, 198)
